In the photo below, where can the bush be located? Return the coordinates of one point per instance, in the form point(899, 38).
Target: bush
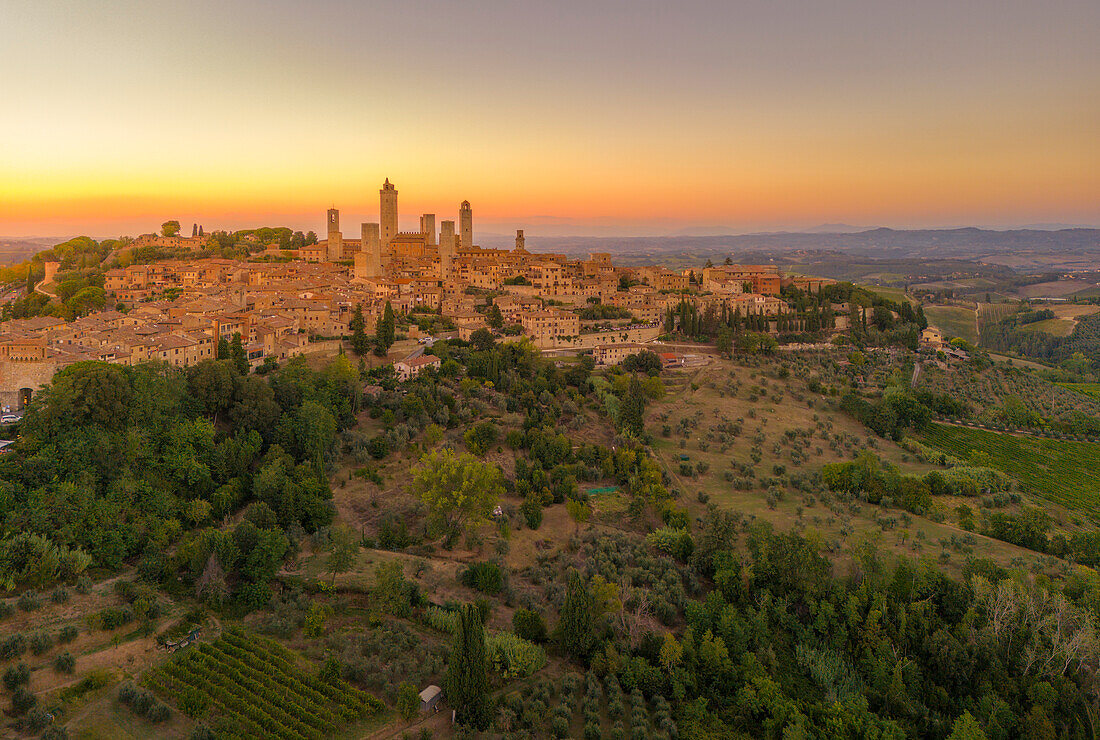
point(37, 720)
point(64, 663)
point(484, 577)
point(529, 625)
point(408, 701)
point(13, 646)
point(22, 700)
point(17, 675)
point(29, 601)
point(40, 643)
point(68, 633)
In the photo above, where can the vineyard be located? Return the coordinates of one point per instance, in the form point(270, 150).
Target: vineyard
point(1092, 390)
point(253, 687)
point(1065, 472)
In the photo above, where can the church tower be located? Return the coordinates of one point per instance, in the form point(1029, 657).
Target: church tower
point(520, 242)
point(335, 239)
point(466, 224)
point(388, 212)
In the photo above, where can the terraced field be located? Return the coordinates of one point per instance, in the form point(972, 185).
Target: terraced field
point(1067, 473)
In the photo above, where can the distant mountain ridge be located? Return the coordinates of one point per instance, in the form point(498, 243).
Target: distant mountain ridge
point(968, 242)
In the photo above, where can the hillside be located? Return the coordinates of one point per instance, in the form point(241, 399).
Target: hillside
point(647, 520)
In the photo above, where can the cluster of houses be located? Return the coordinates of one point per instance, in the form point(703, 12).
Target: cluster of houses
point(177, 311)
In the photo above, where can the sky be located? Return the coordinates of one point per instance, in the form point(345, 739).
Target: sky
point(579, 117)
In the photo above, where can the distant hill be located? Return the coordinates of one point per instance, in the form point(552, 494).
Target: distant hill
point(17, 249)
point(964, 243)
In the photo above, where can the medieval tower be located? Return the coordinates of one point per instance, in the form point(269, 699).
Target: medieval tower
point(368, 261)
point(466, 224)
point(388, 212)
point(335, 239)
point(427, 227)
point(446, 248)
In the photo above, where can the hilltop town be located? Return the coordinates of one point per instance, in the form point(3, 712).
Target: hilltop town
point(283, 302)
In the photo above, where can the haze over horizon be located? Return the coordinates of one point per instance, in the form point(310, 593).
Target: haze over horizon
point(571, 118)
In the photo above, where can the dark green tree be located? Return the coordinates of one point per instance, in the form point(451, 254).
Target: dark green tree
point(631, 417)
point(237, 354)
point(359, 340)
point(384, 331)
point(576, 625)
point(467, 675)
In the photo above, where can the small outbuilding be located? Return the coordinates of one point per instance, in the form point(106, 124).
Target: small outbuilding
point(430, 698)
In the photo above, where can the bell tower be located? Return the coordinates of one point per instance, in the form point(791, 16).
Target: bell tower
point(335, 238)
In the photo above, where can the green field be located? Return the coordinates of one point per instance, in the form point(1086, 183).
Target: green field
point(892, 294)
point(953, 321)
point(1067, 473)
point(1056, 327)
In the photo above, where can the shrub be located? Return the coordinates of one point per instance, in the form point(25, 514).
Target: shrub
point(408, 700)
point(17, 675)
point(37, 720)
point(64, 663)
point(68, 633)
point(40, 643)
point(13, 646)
point(484, 577)
point(22, 700)
point(529, 625)
point(29, 601)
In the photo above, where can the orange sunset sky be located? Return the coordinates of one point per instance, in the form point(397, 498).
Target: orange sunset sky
point(560, 117)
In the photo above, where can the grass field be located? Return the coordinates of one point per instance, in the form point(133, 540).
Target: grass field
point(1065, 472)
point(1055, 327)
point(954, 321)
point(893, 294)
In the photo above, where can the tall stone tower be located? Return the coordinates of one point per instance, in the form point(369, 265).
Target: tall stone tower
point(388, 212)
point(520, 243)
point(446, 248)
point(335, 238)
point(427, 226)
point(368, 261)
point(466, 224)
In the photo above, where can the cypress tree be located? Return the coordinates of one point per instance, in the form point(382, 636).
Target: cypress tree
point(384, 332)
point(237, 354)
point(575, 630)
point(467, 677)
point(359, 341)
point(633, 409)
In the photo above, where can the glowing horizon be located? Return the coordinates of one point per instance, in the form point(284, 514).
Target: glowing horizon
point(558, 118)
